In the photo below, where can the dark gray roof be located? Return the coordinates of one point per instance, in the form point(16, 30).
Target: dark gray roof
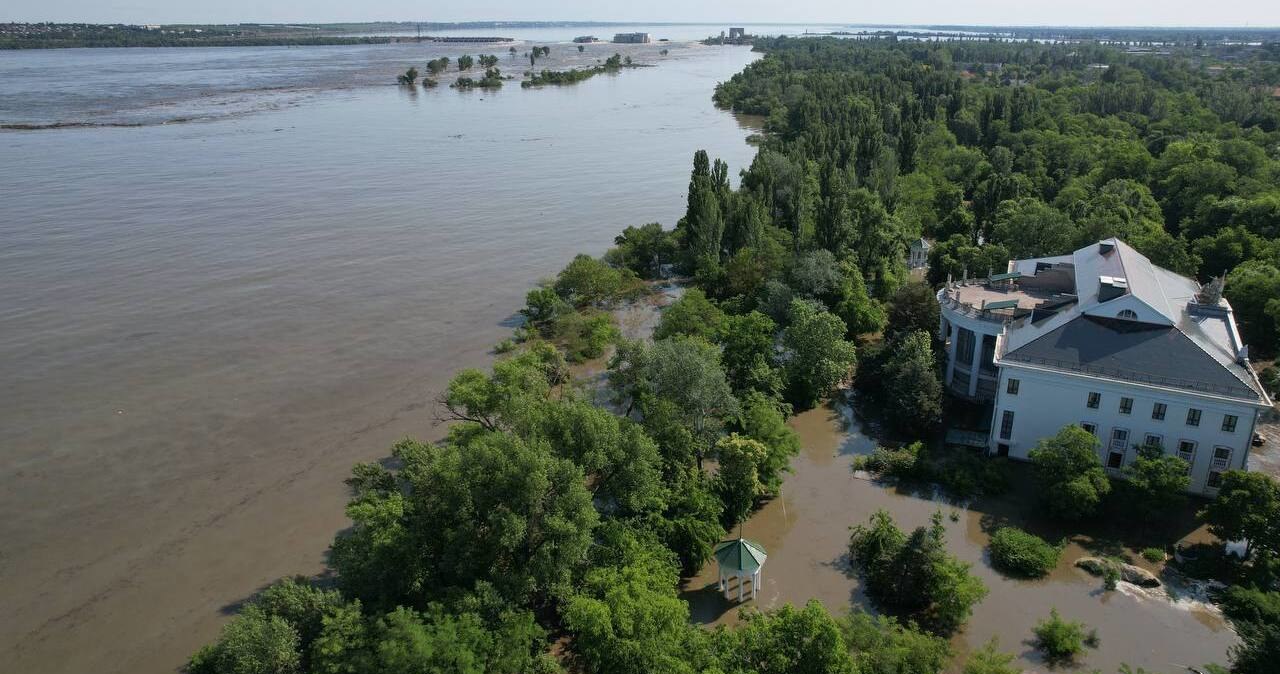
point(1132, 351)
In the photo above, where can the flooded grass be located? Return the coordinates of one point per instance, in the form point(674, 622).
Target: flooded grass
point(806, 531)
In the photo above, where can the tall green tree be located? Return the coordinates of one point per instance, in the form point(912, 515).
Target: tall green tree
point(484, 507)
point(910, 390)
point(818, 357)
point(1247, 507)
point(786, 641)
point(1069, 473)
point(1158, 481)
point(1253, 289)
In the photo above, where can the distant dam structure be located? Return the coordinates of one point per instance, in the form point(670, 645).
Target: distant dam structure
point(469, 39)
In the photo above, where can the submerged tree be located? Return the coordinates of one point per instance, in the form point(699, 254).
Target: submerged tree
point(1069, 472)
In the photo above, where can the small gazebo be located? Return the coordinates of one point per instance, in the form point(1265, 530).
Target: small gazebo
point(740, 558)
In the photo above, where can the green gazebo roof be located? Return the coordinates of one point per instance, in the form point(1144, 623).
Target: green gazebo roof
point(741, 555)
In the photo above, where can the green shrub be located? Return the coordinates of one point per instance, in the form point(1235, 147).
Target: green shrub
point(1017, 552)
point(902, 462)
point(1153, 555)
point(1059, 640)
point(1247, 604)
point(1111, 577)
point(585, 335)
point(965, 475)
point(962, 474)
point(505, 346)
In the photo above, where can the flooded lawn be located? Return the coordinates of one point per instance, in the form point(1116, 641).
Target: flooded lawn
point(806, 533)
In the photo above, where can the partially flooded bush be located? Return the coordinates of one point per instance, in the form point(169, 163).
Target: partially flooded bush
point(901, 462)
point(1019, 553)
point(1058, 639)
point(585, 336)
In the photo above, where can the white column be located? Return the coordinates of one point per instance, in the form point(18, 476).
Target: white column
point(755, 583)
point(739, 587)
point(975, 367)
point(953, 334)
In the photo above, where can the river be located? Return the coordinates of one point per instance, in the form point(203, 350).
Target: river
point(206, 324)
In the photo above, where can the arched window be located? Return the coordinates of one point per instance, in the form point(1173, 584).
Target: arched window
point(1128, 314)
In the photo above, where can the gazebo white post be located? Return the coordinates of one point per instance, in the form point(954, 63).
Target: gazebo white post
point(739, 587)
point(755, 583)
point(720, 573)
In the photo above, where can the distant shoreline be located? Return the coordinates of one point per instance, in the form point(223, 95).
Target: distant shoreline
point(14, 35)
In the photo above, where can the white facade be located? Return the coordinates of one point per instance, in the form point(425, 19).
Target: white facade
point(1046, 400)
point(1106, 340)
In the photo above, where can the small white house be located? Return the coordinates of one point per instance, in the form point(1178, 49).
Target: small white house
point(1103, 338)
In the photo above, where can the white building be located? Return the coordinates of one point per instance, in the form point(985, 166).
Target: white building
point(1103, 338)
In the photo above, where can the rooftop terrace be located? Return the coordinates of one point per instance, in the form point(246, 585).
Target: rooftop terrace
point(994, 300)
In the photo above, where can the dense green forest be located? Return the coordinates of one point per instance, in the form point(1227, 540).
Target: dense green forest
point(549, 532)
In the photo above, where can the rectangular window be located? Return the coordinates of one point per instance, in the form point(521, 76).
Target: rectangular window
point(1215, 479)
point(1006, 425)
point(1229, 423)
point(1119, 445)
point(1221, 458)
point(1092, 428)
point(1158, 410)
point(1193, 417)
point(987, 365)
point(964, 346)
point(1095, 399)
point(1126, 405)
point(1187, 452)
point(1012, 387)
point(1153, 440)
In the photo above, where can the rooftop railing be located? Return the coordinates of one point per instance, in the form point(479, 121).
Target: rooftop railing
point(947, 299)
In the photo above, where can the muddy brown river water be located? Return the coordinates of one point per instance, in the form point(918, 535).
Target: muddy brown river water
point(806, 534)
point(204, 325)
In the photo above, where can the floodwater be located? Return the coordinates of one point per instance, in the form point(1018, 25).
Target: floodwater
point(806, 534)
point(206, 324)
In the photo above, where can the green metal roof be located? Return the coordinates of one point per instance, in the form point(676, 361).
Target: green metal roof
point(1002, 304)
point(741, 555)
point(1007, 276)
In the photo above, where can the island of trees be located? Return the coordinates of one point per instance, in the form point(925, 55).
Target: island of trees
point(548, 532)
point(611, 65)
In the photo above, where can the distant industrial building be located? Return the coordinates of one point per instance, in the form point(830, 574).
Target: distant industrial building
point(586, 39)
point(632, 38)
point(736, 33)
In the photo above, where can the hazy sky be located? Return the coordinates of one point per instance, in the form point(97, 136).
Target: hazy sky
point(1005, 12)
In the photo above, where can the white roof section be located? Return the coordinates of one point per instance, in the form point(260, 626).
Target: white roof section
point(1114, 281)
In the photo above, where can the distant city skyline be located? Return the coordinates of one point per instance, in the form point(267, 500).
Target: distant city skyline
point(1226, 13)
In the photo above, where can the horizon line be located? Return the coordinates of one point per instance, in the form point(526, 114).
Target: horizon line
point(577, 22)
